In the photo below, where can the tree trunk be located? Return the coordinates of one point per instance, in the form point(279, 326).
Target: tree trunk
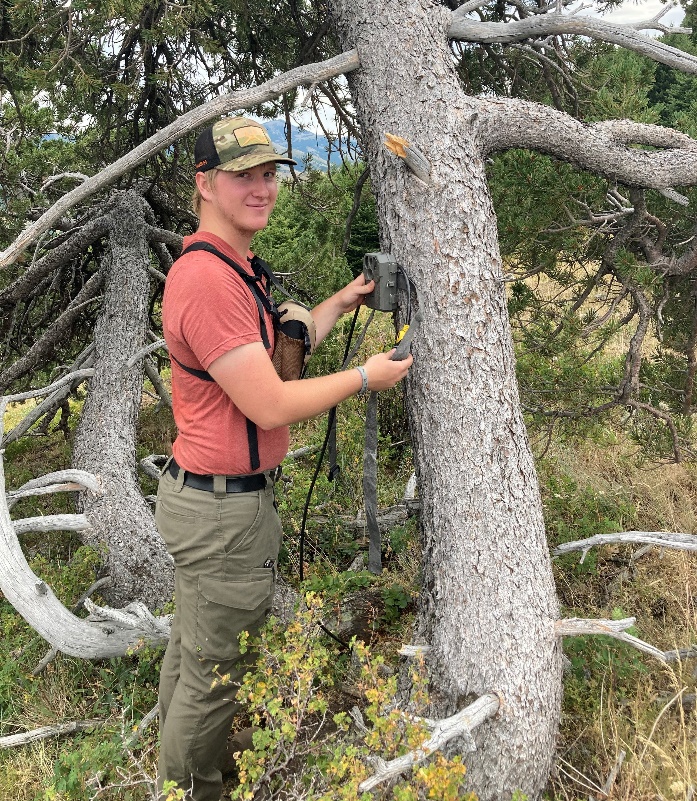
point(123, 526)
point(488, 605)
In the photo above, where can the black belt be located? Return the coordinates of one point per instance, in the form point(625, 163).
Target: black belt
point(250, 483)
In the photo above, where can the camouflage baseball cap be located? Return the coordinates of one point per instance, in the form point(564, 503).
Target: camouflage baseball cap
point(235, 143)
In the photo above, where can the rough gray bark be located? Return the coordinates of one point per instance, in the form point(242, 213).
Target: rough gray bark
point(488, 605)
point(123, 526)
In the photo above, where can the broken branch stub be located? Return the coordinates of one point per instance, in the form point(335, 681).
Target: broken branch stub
point(412, 156)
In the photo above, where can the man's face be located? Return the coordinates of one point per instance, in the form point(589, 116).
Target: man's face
point(245, 199)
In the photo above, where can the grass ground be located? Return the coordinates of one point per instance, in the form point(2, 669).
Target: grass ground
point(616, 699)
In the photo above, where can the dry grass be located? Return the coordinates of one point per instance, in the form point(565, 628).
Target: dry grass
point(635, 704)
point(28, 770)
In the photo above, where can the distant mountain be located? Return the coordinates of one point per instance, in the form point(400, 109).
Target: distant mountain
point(305, 143)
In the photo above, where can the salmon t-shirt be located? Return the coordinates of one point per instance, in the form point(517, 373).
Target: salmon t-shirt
point(208, 310)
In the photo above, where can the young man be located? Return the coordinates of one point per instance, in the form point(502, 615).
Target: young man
point(215, 506)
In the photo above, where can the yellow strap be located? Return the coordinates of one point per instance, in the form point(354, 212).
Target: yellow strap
point(401, 334)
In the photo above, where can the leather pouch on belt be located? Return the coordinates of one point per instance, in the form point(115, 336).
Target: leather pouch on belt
point(296, 336)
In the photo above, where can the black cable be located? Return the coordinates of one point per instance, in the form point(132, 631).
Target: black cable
point(320, 458)
point(330, 422)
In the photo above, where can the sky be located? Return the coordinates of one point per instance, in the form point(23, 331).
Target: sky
point(647, 9)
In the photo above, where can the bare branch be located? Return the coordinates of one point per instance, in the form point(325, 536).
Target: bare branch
point(13, 740)
point(52, 653)
point(153, 464)
point(467, 8)
point(156, 380)
point(544, 25)
point(459, 725)
point(662, 539)
point(574, 626)
point(505, 123)
point(64, 522)
point(414, 650)
point(59, 481)
point(143, 352)
point(36, 393)
point(312, 73)
point(113, 635)
point(73, 176)
point(64, 386)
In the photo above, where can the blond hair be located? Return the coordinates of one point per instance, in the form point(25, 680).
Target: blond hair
point(196, 195)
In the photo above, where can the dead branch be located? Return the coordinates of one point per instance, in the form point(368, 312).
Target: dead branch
point(459, 725)
point(108, 636)
point(153, 464)
point(13, 740)
point(144, 351)
point(157, 628)
point(35, 393)
point(59, 481)
point(52, 653)
point(64, 522)
point(612, 776)
point(414, 650)
point(298, 453)
point(65, 386)
point(552, 24)
point(663, 539)
point(574, 626)
point(245, 98)
point(156, 380)
point(140, 729)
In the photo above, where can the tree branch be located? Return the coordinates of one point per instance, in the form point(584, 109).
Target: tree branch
point(313, 73)
point(662, 539)
point(59, 481)
point(13, 740)
point(505, 123)
point(63, 388)
point(459, 725)
point(63, 522)
point(543, 25)
point(114, 633)
point(574, 626)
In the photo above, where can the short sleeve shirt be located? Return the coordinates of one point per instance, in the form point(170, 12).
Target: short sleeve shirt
point(208, 310)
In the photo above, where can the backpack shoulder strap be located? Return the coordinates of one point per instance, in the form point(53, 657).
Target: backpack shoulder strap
point(262, 298)
point(264, 302)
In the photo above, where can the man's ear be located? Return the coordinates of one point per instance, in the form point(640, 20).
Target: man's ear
point(204, 185)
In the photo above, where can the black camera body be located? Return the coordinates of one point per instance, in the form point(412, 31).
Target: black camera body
point(381, 268)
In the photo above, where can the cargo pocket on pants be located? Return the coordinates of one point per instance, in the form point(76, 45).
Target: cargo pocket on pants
point(226, 609)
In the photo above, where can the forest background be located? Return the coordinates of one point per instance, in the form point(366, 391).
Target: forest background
point(604, 467)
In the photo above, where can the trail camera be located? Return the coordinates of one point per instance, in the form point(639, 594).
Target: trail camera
point(381, 268)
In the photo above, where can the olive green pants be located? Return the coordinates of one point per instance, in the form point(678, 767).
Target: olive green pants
point(225, 550)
